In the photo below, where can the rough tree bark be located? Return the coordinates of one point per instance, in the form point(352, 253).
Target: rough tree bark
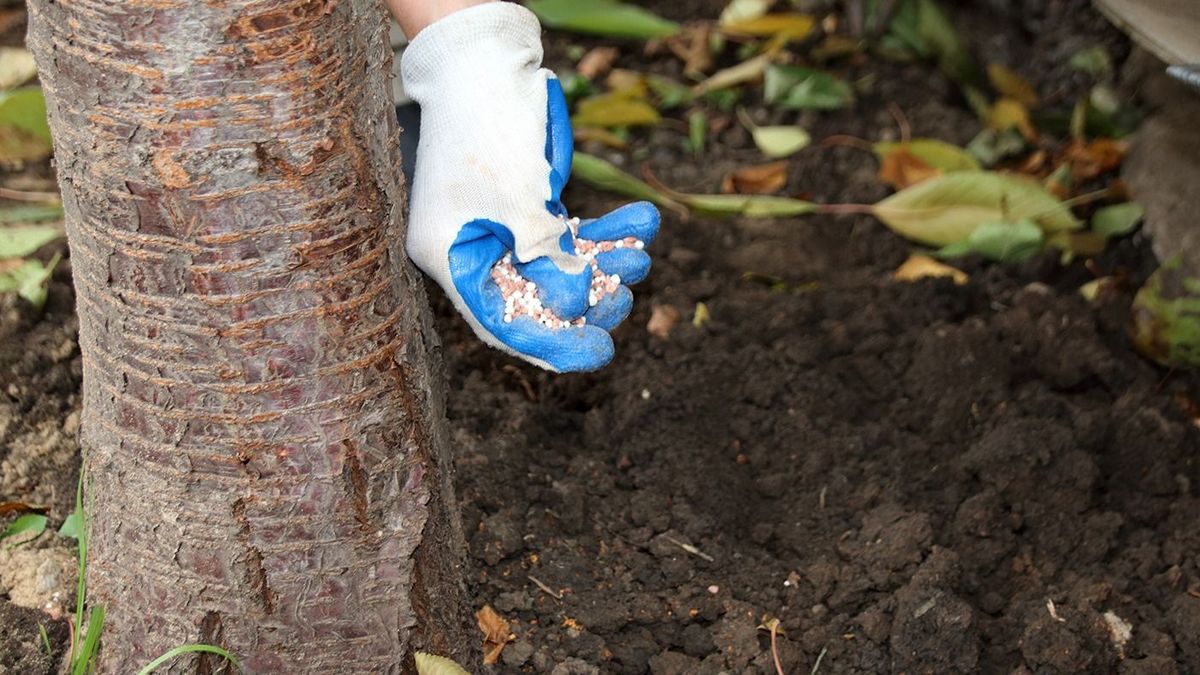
point(262, 423)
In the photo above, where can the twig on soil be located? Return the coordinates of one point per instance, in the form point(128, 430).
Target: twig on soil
point(901, 121)
point(817, 663)
point(27, 196)
point(545, 589)
point(821, 495)
point(691, 549)
point(847, 140)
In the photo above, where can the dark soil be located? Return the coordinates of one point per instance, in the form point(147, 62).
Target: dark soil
point(922, 478)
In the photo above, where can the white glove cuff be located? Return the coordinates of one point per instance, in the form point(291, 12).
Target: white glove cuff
point(496, 33)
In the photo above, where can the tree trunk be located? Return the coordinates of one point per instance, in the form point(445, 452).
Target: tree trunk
point(262, 424)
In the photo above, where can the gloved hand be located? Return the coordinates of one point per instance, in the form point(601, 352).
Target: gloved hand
point(494, 155)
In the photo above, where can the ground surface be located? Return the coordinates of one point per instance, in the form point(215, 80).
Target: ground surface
point(912, 477)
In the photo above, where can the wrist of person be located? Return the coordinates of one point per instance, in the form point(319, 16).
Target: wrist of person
point(415, 15)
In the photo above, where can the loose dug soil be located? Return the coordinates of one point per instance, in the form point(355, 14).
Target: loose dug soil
point(912, 477)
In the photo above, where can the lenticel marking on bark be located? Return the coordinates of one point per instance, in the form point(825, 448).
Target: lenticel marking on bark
point(521, 297)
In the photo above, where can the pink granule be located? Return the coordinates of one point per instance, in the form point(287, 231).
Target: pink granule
point(520, 294)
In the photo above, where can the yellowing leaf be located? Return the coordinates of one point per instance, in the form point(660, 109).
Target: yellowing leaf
point(935, 153)
point(614, 110)
point(428, 664)
point(947, 208)
point(1011, 85)
point(745, 71)
point(1008, 113)
point(780, 141)
point(753, 206)
point(921, 266)
point(17, 242)
point(756, 180)
point(585, 134)
point(700, 316)
point(791, 26)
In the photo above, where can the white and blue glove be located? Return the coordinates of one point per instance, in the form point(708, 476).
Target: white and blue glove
point(494, 155)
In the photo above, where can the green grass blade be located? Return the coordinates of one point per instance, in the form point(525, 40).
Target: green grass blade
point(91, 645)
point(188, 649)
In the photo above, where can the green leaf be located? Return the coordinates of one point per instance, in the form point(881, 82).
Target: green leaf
point(95, 626)
point(72, 526)
point(602, 17)
point(29, 280)
point(17, 242)
point(697, 131)
point(428, 664)
point(31, 523)
point(922, 26)
point(1166, 317)
point(990, 147)
point(670, 93)
point(614, 110)
point(1093, 60)
point(935, 153)
point(31, 214)
point(605, 176)
point(797, 87)
point(776, 142)
point(753, 206)
point(25, 109)
point(1000, 241)
point(946, 209)
point(1117, 220)
point(189, 649)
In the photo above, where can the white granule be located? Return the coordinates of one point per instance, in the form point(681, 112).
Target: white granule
point(520, 294)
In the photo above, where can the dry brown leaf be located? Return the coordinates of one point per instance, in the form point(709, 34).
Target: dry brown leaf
point(496, 633)
point(900, 168)
point(921, 266)
point(1090, 159)
point(597, 62)
point(662, 319)
point(691, 45)
point(759, 179)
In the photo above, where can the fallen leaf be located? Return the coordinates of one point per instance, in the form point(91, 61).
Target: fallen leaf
point(989, 147)
point(29, 280)
point(746, 71)
point(752, 206)
point(738, 11)
point(790, 26)
point(692, 46)
point(428, 664)
point(598, 135)
point(1011, 85)
point(921, 266)
point(19, 507)
point(671, 94)
point(935, 153)
point(900, 168)
point(597, 62)
point(800, 88)
point(614, 109)
point(1093, 60)
point(760, 179)
point(602, 17)
point(700, 316)
point(1000, 241)
point(605, 176)
point(1008, 113)
point(31, 523)
point(1090, 159)
point(1097, 288)
point(662, 319)
point(1117, 220)
point(496, 633)
point(946, 209)
point(18, 242)
point(31, 214)
point(922, 27)
point(16, 67)
point(1166, 317)
point(776, 141)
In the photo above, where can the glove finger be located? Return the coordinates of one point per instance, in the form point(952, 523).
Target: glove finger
point(566, 350)
point(563, 293)
point(630, 264)
point(639, 219)
point(611, 310)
